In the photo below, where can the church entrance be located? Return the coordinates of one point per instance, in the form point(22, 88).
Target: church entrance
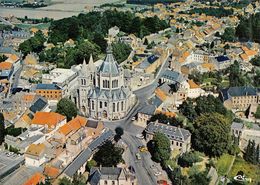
point(104, 114)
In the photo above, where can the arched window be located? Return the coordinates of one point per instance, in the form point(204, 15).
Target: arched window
point(82, 82)
point(104, 84)
point(108, 85)
point(114, 107)
point(117, 106)
point(100, 104)
point(105, 104)
point(122, 106)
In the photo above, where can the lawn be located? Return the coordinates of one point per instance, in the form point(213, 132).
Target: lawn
point(250, 170)
point(223, 164)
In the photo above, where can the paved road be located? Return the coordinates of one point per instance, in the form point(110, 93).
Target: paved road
point(145, 175)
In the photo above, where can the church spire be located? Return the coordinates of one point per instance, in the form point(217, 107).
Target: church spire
point(91, 64)
point(84, 69)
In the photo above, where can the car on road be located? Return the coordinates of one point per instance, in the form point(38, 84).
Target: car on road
point(143, 148)
point(140, 136)
point(157, 173)
point(133, 119)
point(138, 156)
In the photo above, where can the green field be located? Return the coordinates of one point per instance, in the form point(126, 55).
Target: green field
point(250, 170)
point(223, 164)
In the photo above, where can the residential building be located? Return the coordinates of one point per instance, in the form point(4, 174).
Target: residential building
point(102, 92)
point(194, 90)
point(221, 62)
point(180, 138)
point(66, 79)
point(49, 91)
point(149, 64)
point(111, 176)
point(71, 127)
point(35, 155)
point(239, 98)
point(50, 121)
point(246, 133)
point(6, 70)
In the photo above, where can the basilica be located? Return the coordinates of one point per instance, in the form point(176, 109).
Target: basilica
point(103, 93)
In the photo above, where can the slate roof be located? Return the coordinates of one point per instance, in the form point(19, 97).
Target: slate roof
point(106, 173)
point(238, 91)
point(118, 94)
point(148, 109)
point(174, 133)
point(109, 65)
point(156, 101)
point(148, 61)
point(48, 86)
point(222, 58)
point(38, 105)
point(73, 167)
point(173, 75)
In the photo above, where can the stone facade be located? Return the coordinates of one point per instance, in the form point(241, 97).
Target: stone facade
point(103, 93)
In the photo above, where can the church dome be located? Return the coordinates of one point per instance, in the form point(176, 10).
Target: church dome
point(109, 65)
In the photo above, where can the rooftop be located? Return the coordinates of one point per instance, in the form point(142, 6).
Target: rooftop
point(73, 125)
point(48, 87)
point(174, 133)
point(35, 150)
point(47, 118)
point(35, 179)
point(5, 65)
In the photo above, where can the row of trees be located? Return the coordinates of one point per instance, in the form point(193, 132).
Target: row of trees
point(249, 28)
point(217, 12)
point(34, 44)
point(191, 109)
point(94, 25)
point(252, 153)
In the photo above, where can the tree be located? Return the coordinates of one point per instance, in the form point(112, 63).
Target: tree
point(146, 41)
point(34, 44)
point(187, 159)
point(212, 134)
point(3, 58)
point(65, 181)
point(236, 78)
point(2, 128)
point(67, 108)
point(175, 176)
point(187, 109)
point(257, 113)
point(255, 61)
point(119, 132)
point(162, 150)
point(229, 35)
point(200, 179)
point(121, 51)
point(252, 152)
point(108, 155)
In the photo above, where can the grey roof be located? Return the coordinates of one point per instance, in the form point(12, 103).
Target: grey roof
point(238, 91)
point(236, 125)
point(173, 75)
point(172, 132)
point(155, 101)
point(75, 165)
point(117, 94)
point(148, 109)
point(105, 173)
point(38, 105)
point(147, 62)
point(48, 86)
point(109, 65)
